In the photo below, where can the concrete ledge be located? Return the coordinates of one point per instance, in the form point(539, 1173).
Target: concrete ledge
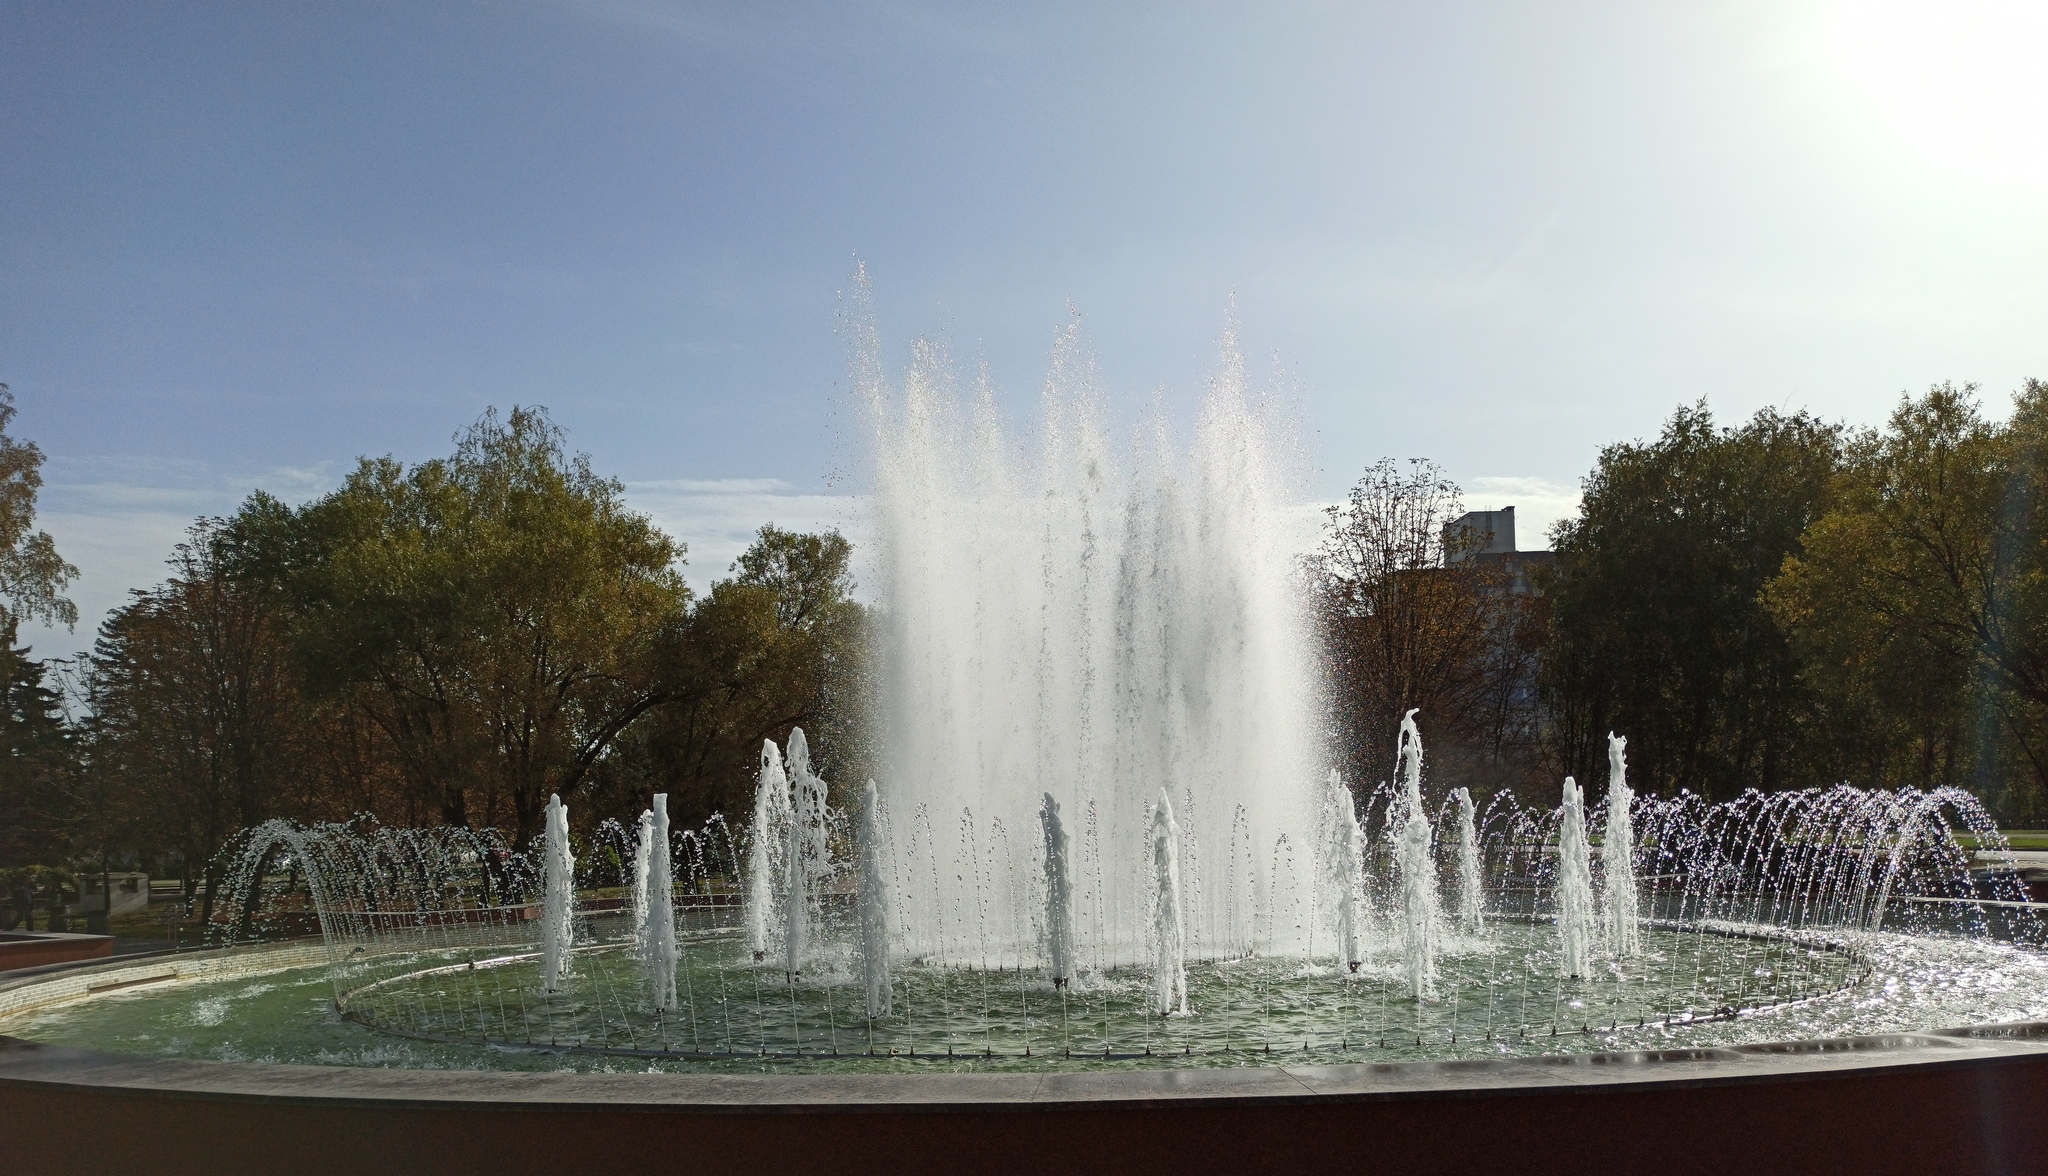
point(1966, 1100)
point(31, 988)
point(33, 949)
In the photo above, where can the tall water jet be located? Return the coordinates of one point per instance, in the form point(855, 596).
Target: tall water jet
point(1344, 872)
point(558, 898)
point(658, 943)
point(1084, 617)
point(768, 836)
point(1621, 914)
point(1169, 933)
point(643, 845)
point(1576, 927)
point(1059, 894)
point(1471, 884)
point(804, 858)
point(874, 904)
point(1415, 858)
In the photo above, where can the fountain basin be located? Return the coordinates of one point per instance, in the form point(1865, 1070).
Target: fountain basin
point(1935, 1099)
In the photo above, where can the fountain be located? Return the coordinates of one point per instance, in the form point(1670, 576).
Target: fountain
point(658, 931)
point(1066, 622)
point(558, 909)
point(1102, 833)
point(1620, 909)
point(1059, 895)
point(1576, 928)
point(1857, 909)
point(1344, 872)
point(643, 850)
point(1415, 857)
point(1109, 654)
point(1169, 933)
point(806, 857)
point(1471, 877)
point(874, 905)
point(770, 830)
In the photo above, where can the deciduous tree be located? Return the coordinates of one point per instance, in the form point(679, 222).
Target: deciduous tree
point(501, 615)
point(1403, 625)
point(1918, 604)
point(1658, 629)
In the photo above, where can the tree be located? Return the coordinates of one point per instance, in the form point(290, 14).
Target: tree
point(197, 722)
point(1404, 623)
point(1658, 629)
point(1918, 603)
point(501, 616)
point(38, 780)
point(453, 642)
point(32, 574)
point(777, 645)
point(38, 763)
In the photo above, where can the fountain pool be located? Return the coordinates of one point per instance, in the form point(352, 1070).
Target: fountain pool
point(1102, 872)
point(1503, 998)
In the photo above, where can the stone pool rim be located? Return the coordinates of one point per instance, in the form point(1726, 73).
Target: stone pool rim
point(1313, 1079)
point(34, 1064)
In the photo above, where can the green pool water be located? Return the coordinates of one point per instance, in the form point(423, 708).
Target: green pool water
point(1499, 995)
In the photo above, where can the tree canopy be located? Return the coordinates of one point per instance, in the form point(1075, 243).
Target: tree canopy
point(1404, 623)
point(38, 778)
point(1918, 603)
point(1658, 628)
point(453, 642)
point(32, 575)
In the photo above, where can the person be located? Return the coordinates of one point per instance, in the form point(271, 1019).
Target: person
point(24, 906)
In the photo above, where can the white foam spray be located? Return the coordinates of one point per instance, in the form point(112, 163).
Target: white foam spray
point(1059, 894)
point(1621, 914)
point(874, 903)
point(1471, 884)
point(1415, 858)
point(768, 837)
point(1576, 927)
point(642, 846)
point(1083, 619)
point(658, 943)
point(805, 860)
point(1344, 872)
point(1169, 934)
point(558, 898)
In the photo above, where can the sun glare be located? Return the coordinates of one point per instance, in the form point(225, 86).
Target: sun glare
point(1963, 81)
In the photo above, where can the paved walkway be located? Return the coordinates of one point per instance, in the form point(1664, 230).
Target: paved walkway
point(2020, 859)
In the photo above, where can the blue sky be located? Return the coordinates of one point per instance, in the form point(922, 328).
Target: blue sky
point(242, 244)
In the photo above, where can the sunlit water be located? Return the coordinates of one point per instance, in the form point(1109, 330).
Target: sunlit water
point(1501, 998)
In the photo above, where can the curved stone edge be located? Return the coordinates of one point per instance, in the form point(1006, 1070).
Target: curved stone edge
point(34, 988)
point(27, 1063)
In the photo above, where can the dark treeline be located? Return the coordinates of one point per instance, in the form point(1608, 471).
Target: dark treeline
point(1776, 604)
point(446, 643)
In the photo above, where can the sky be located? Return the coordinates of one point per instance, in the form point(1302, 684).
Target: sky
point(242, 245)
